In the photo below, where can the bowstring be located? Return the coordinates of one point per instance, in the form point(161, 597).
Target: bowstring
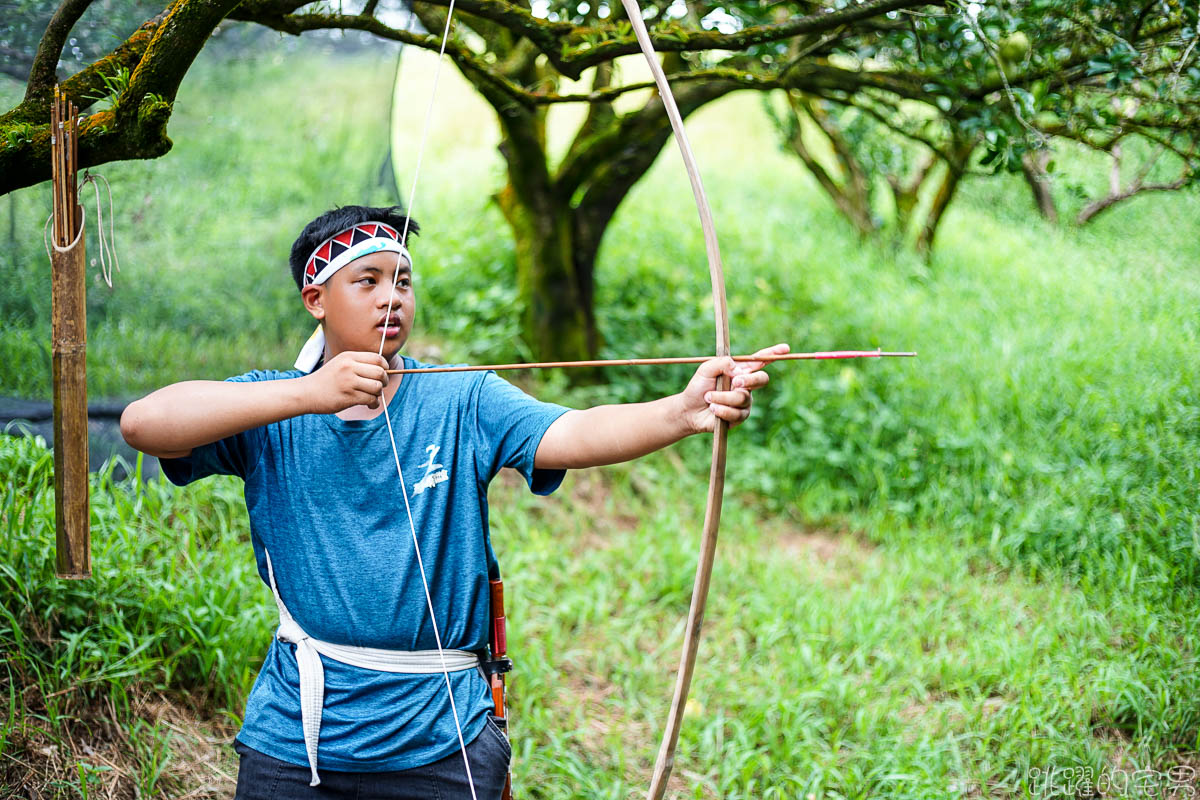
point(437, 635)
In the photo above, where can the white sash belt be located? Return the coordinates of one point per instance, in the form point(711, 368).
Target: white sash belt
point(312, 673)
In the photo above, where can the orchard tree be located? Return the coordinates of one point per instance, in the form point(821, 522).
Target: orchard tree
point(925, 70)
point(1006, 81)
point(518, 57)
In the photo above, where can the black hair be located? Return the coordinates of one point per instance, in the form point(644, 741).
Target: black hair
point(338, 219)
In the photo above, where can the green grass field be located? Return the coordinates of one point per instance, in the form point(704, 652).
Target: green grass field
point(941, 577)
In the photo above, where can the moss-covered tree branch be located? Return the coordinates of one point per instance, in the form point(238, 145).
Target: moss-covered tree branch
point(673, 37)
point(85, 87)
point(571, 48)
point(42, 75)
point(159, 55)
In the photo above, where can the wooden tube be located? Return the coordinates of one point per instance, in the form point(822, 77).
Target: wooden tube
point(499, 643)
point(69, 355)
point(499, 633)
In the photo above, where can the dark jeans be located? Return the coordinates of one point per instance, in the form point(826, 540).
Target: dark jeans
point(261, 777)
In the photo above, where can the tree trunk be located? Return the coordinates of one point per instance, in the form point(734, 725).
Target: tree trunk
point(558, 324)
point(951, 178)
point(558, 219)
point(906, 194)
point(852, 195)
point(1033, 167)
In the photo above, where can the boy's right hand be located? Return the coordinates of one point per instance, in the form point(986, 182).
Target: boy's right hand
point(349, 379)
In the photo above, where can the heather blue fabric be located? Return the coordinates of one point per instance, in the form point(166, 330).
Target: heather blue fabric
point(322, 496)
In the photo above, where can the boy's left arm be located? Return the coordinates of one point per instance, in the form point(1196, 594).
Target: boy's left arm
point(611, 434)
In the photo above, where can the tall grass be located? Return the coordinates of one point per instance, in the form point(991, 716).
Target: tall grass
point(831, 667)
point(167, 610)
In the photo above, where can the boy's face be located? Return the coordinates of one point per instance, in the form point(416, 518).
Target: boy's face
point(354, 302)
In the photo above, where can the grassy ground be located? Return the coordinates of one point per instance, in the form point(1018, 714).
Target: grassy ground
point(940, 578)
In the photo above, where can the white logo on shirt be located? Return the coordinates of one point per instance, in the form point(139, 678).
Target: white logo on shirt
point(434, 473)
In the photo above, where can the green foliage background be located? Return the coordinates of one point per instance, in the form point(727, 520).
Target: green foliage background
point(1024, 590)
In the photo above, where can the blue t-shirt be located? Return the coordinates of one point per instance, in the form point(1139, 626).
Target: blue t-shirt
point(322, 497)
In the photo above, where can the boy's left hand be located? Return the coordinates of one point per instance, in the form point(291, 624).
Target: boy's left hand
point(703, 404)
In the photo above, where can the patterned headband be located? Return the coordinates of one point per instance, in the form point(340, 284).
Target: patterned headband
point(334, 253)
point(356, 241)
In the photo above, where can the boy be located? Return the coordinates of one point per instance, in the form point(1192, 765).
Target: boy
point(397, 708)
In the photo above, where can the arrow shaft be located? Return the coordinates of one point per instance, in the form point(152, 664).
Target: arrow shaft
point(641, 362)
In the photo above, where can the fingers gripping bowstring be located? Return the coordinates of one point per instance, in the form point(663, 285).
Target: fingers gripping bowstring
point(437, 635)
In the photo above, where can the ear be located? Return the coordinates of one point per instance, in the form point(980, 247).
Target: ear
point(314, 300)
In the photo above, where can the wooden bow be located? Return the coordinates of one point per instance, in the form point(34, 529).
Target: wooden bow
point(716, 476)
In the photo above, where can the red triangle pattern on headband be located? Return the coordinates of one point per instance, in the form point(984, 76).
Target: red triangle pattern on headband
point(337, 244)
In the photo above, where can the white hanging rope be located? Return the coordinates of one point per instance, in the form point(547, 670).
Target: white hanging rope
point(46, 240)
point(111, 243)
point(106, 246)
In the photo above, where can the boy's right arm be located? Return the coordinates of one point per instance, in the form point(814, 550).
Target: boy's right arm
point(170, 422)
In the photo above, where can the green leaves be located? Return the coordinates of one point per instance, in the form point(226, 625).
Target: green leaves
point(1119, 63)
point(114, 86)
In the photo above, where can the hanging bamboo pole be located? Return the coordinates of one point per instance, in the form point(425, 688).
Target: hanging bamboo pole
point(69, 333)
